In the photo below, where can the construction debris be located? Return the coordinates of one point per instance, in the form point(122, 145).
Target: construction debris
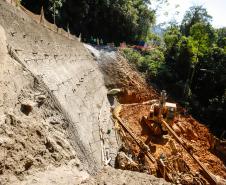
point(114, 91)
point(126, 163)
point(136, 100)
point(172, 166)
point(140, 143)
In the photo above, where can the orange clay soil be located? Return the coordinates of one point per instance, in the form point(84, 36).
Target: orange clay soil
point(194, 134)
point(136, 90)
point(120, 74)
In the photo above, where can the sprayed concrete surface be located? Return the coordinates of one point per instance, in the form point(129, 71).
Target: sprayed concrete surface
point(53, 104)
point(30, 139)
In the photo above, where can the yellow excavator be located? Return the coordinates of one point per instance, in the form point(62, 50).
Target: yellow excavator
point(160, 109)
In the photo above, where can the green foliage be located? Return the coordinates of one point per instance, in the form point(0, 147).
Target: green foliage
point(196, 14)
point(133, 56)
point(172, 37)
point(151, 63)
point(55, 7)
point(154, 40)
point(111, 20)
point(221, 37)
point(186, 57)
point(203, 36)
point(196, 57)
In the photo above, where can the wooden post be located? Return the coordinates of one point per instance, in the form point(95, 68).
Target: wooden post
point(42, 16)
point(80, 37)
point(207, 174)
point(68, 31)
point(54, 13)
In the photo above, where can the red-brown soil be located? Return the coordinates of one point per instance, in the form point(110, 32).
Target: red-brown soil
point(194, 134)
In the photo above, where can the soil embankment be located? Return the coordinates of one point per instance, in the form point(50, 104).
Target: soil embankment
point(197, 137)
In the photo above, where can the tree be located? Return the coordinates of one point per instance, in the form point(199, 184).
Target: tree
point(203, 36)
point(154, 40)
point(55, 7)
point(221, 37)
point(196, 55)
point(196, 14)
point(150, 63)
point(111, 20)
point(172, 37)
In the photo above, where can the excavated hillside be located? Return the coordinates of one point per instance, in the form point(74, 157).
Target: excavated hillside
point(180, 166)
point(55, 116)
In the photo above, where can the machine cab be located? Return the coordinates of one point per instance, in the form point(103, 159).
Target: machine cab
point(171, 109)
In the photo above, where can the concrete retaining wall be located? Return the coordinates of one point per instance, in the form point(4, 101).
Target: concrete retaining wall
point(72, 77)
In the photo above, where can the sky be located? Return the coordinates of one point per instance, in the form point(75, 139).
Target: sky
point(215, 8)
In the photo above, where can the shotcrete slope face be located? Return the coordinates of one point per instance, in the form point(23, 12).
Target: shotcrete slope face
point(70, 77)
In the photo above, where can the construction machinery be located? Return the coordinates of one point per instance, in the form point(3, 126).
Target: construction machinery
point(160, 120)
point(160, 109)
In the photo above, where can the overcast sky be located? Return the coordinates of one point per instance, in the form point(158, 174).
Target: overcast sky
point(216, 8)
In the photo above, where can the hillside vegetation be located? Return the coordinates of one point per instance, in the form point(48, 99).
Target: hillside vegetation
point(190, 62)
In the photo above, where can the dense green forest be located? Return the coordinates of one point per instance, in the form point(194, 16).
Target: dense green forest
point(109, 20)
point(189, 60)
point(190, 63)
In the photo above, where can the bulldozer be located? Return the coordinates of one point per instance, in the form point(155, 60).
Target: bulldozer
point(159, 110)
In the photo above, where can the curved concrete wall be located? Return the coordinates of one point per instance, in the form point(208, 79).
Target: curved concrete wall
point(72, 77)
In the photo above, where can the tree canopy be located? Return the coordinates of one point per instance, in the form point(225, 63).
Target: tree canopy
point(196, 14)
point(191, 65)
point(109, 20)
point(196, 54)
